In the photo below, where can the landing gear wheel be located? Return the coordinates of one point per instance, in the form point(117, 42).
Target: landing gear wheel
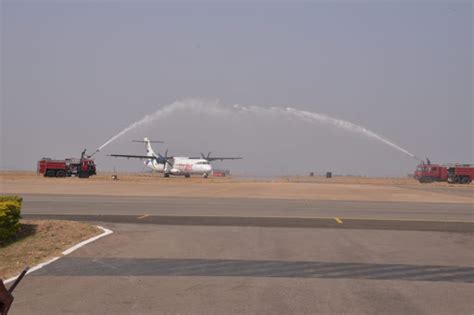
point(205, 175)
point(187, 175)
point(166, 175)
point(60, 173)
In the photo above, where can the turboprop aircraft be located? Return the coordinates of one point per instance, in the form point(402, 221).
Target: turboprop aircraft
point(175, 165)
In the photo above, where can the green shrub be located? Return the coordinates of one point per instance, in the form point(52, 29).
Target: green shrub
point(11, 198)
point(10, 208)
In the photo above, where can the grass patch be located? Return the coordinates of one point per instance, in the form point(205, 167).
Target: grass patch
point(39, 240)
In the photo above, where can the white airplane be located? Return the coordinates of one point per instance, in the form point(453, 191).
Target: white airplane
point(175, 165)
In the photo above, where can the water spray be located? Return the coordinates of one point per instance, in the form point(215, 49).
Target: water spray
point(216, 109)
point(347, 126)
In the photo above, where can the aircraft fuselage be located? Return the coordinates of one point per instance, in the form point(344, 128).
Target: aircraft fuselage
point(181, 166)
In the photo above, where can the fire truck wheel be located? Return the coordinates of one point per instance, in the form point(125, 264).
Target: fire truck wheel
point(457, 180)
point(425, 180)
point(50, 173)
point(60, 173)
point(465, 180)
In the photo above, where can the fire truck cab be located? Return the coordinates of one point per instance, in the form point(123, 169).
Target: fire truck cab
point(428, 173)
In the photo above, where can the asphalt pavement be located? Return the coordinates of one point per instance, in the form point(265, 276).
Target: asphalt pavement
point(243, 207)
point(175, 269)
point(256, 256)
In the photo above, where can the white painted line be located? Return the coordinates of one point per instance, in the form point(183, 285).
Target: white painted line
point(70, 250)
point(34, 268)
point(66, 252)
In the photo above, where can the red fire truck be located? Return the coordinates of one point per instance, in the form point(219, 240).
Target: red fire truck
point(82, 168)
point(456, 174)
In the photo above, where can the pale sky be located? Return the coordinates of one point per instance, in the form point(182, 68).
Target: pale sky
point(74, 74)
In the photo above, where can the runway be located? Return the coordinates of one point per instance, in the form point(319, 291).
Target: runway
point(243, 207)
point(289, 222)
point(252, 212)
point(104, 267)
point(193, 269)
point(256, 256)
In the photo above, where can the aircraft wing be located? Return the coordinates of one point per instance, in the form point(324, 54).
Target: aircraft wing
point(223, 158)
point(217, 158)
point(128, 156)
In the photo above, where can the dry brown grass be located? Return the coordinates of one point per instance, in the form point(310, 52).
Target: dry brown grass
point(41, 240)
point(308, 188)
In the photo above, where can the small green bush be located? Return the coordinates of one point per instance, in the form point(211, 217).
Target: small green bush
point(10, 209)
point(11, 198)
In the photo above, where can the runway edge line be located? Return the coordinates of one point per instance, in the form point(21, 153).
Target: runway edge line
point(66, 252)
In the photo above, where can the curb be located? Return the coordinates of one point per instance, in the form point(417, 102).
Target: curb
point(66, 252)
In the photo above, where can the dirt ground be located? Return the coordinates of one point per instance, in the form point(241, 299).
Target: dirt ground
point(304, 188)
point(40, 241)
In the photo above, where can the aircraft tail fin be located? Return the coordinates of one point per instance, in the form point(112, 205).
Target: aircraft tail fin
point(149, 149)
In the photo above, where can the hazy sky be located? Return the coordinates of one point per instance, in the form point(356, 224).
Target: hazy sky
point(74, 74)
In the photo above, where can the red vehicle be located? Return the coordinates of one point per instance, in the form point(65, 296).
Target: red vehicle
point(428, 173)
point(83, 167)
point(453, 173)
point(461, 174)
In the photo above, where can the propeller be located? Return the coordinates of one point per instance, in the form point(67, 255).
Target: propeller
point(166, 158)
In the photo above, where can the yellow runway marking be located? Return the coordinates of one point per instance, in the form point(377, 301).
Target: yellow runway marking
point(338, 220)
point(321, 218)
